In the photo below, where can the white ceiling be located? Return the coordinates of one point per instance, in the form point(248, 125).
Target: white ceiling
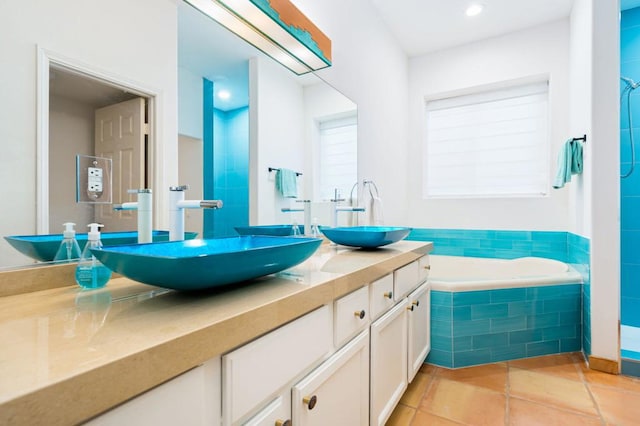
point(423, 26)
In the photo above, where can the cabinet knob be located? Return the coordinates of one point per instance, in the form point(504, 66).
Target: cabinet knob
point(360, 314)
point(416, 303)
point(283, 422)
point(427, 267)
point(410, 308)
point(389, 295)
point(310, 401)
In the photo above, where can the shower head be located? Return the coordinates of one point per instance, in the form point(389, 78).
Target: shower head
point(630, 83)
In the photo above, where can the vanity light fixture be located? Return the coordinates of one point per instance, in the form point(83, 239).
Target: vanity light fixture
point(474, 9)
point(276, 27)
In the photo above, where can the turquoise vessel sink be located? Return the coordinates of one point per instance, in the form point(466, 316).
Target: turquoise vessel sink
point(207, 263)
point(273, 230)
point(44, 247)
point(365, 236)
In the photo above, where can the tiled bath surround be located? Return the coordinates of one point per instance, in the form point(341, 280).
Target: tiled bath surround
point(470, 328)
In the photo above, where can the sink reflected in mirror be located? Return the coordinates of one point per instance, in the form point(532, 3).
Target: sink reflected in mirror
point(367, 237)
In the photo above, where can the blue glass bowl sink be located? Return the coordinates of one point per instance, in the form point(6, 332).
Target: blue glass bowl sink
point(206, 263)
point(273, 230)
point(365, 236)
point(44, 247)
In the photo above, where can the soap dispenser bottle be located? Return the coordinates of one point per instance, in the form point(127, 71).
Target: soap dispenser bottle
point(90, 272)
point(69, 250)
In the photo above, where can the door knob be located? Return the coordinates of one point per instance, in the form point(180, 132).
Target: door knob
point(310, 401)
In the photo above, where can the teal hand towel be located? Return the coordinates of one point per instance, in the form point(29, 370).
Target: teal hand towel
point(287, 183)
point(569, 162)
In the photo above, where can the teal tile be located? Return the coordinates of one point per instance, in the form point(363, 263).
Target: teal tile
point(441, 313)
point(514, 235)
point(509, 295)
point(461, 313)
point(552, 236)
point(479, 252)
point(530, 307)
point(540, 321)
point(441, 328)
point(567, 318)
point(471, 298)
point(525, 336)
point(507, 353)
point(443, 298)
point(441, 343)
point(508, 324)
point(543, 348)
point(559, 332)
point(464, 343)
point(496, 244)
point(497, 310)
point(571, 345)
point(468, 358)
point(571, 290)
point(544, 293)
point(562, 305)
point(471, 328)
point(490, 340)
point(440, 358)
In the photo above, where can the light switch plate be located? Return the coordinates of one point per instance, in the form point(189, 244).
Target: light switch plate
point(93, 179)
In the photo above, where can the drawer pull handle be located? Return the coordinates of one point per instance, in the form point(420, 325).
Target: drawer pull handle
point(389, 295)
point(416, 303)
point(283, 422)
point(410, 308)
point(427, 267)
point(310, 401)
point(360, 314)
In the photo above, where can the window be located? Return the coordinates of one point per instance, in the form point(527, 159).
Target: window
point(488, 144)
point(338, 156)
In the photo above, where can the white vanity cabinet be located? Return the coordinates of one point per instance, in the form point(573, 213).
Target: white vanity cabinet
point(337, 392)
point(193, 398)
point(400, 339)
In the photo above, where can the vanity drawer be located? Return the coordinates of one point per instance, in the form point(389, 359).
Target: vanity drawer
point(350, 315)
point(381, 296)
point(254, 373)
point(424, 268)
point(405, 279)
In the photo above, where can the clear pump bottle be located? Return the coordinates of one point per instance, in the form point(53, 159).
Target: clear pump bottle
point(69, 250)
point(90, 272)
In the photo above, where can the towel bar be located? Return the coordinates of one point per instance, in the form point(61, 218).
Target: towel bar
point(583, 138)
point(273, 169)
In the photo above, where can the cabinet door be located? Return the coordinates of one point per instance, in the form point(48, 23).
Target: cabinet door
point(337, 392)
point(419, 328)
point(277, 413)
point(388, 362)
point(192, 398)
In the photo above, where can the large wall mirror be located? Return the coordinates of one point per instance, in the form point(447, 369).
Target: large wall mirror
point(239, 114)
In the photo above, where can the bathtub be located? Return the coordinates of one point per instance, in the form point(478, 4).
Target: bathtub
point(492, 310)
point(457, 273)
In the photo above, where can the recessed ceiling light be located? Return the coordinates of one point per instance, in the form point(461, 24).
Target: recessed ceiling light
point(474, 9)
point(224, 94)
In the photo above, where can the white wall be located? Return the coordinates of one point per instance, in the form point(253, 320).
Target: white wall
point(595, 69)
point(537, 51)
point(190, 114)
point(370, 68)
point(115, 37)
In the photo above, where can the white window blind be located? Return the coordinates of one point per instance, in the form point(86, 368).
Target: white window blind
point(338, 156)
point(488, 144)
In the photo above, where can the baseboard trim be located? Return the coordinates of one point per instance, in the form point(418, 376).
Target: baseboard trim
point(604, 365)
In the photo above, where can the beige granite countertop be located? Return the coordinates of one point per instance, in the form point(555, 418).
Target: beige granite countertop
point(69, 354)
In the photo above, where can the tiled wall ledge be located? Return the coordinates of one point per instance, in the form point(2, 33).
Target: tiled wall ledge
point(479, 327)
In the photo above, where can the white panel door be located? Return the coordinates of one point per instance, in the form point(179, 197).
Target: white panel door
point(388, 362)
point(120, 135)
point(337, 392)
point(419, 328)
point(190, 172)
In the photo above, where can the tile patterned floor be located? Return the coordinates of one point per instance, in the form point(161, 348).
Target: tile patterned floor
point(550, 390)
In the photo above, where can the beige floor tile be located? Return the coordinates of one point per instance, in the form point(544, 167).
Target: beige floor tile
point(612, 380)
point(401, 416)
point(618, 407)
point(464, 403)
point(491, 376)
point(427, 419)
point(526, 413)
point(413, 395)
point(561, 365)
point(551, 390)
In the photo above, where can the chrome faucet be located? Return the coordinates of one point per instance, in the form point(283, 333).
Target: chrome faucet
point(144, 206)
point(177, 204)
point(337, 208)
